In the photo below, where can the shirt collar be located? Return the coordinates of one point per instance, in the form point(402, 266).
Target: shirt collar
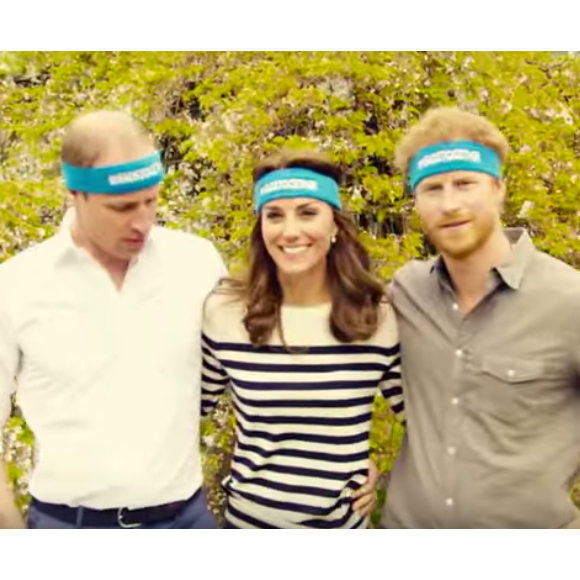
point(67, 249)
point(512, 270)
point(64, 243)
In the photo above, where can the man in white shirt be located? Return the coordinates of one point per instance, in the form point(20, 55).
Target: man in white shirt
point(100, 342)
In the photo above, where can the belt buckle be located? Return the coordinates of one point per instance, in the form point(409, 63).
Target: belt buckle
point(121, 523)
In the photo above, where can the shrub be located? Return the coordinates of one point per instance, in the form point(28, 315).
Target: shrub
point(216, 113)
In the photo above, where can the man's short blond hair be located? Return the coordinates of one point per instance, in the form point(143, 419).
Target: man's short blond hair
point(449, 124)
point(92, 135)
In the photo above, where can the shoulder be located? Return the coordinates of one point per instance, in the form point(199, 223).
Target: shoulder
point(220, 301)
point(182, 249)
point(387, 330)
point(549, 274)
point(184, 241)
point(414, 271)
point(29, 262)
point(410, 279)
point(26, 274)
point(545, 262)
point(223, 312)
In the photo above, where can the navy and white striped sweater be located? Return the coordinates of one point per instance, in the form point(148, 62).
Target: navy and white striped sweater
point(302, 418)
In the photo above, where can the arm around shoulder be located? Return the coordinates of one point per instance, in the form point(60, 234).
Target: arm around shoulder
point(214, 264)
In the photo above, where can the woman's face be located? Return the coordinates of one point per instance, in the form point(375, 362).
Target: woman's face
point(298, 234)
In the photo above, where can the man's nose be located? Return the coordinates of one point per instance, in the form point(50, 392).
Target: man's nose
point(450, 199)
point(143, 220)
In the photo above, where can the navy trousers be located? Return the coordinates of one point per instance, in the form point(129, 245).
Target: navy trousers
point(195, 515)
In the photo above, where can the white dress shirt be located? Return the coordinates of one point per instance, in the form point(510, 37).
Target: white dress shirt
point(108, 380)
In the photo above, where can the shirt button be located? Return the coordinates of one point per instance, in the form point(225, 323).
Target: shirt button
point(511, 373)
point(451, 450)
point(459, 353)
point(455, 401)
point(455, 306)
point(449, 502)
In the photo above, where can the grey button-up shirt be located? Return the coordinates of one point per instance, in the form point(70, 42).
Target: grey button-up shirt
point(492, 398)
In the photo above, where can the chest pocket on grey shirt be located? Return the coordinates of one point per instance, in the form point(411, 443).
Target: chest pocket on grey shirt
point(511, 387)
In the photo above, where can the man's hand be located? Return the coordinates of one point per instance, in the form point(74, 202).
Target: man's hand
point(12, 520)
point(10, 517)
point(364, 498)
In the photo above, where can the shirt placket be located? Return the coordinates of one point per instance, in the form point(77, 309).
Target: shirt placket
point(452, 434)
point(113, 304)
point(126, 306)
point(463, 333)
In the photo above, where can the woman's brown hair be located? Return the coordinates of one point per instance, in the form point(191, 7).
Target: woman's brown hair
point(357, 294)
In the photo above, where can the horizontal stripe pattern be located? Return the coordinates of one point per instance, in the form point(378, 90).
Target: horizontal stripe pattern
point(302, 419)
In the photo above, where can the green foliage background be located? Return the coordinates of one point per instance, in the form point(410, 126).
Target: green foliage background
point(216, 113)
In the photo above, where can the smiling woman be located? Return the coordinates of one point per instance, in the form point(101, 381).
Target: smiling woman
point(332, 265)
point(297, 235)
point(304, 342)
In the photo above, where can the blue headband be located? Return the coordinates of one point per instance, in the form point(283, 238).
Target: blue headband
point(452, 156)
point(295, 182)
point(115, 179)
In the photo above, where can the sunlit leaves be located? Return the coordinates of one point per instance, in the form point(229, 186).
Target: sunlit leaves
point(216, 113)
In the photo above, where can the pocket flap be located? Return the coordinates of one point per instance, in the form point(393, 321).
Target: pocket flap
point(512, 370)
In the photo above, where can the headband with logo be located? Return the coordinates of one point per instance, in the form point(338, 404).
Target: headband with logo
point(295, 182)
point(452, 156)
point(115, 179)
